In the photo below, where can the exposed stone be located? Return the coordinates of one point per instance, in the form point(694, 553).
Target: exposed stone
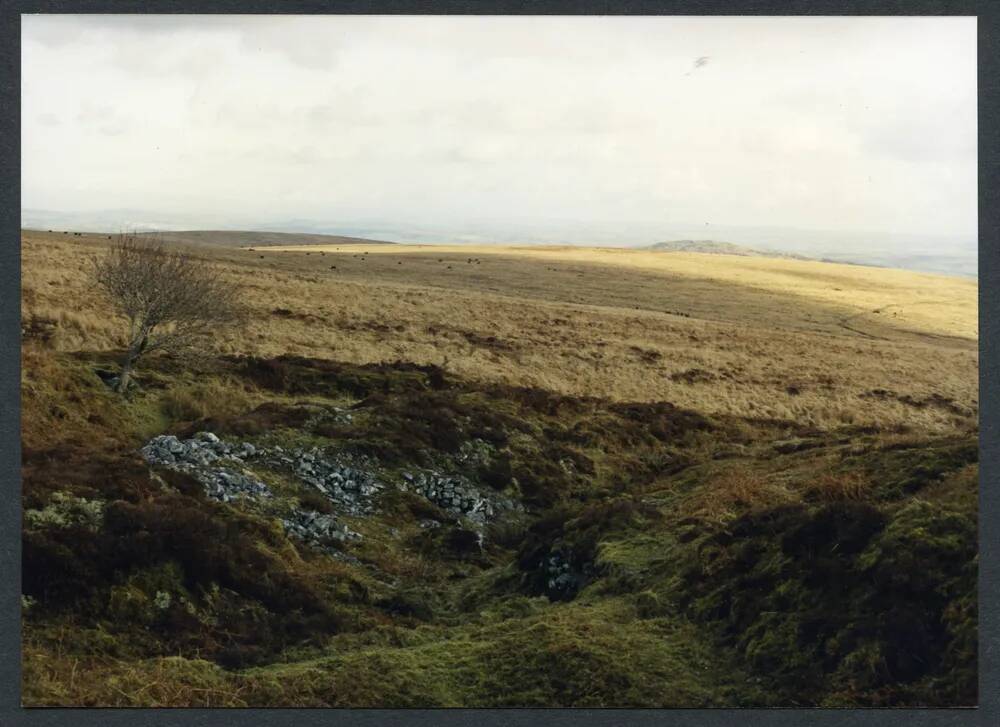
point(563, 580)
point(349, 483)
point(458, 496)
point(200, 457)
point(351, 489)
point(317, 528)
point(217, 464)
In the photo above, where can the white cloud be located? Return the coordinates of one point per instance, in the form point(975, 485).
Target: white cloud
point(837, 123)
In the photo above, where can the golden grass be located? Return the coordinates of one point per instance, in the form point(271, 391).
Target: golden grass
point(736, 490)
point(721, 334)
point(923, 302)
point(840, 486)
point(198, 400)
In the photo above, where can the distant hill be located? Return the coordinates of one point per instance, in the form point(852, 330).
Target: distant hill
point(719, 248)
point(240, 238)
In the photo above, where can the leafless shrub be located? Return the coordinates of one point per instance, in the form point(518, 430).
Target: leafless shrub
point(171, 301)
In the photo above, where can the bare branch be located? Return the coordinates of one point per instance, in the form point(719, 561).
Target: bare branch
point(169, 300)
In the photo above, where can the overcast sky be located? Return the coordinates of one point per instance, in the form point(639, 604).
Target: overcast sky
point(825, 123)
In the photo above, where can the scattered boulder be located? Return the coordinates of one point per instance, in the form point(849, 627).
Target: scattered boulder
point(563, 581)
point(202, 456)
point(316, 528)
point(351, 487)
point(456, 495)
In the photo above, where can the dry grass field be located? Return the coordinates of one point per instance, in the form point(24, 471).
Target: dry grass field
point(720, 481)
point(818, 343)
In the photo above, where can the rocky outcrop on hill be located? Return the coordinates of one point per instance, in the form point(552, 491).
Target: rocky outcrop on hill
point(214, 463)
point(456, 495)
point(223, 469)
point(220, 467)
point(314, 527)
point(351, 489)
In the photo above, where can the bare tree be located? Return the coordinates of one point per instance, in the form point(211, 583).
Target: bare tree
point(171, 301)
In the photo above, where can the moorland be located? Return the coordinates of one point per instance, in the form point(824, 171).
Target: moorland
point(503, 476)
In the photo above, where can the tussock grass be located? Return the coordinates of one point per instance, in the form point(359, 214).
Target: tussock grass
point(764, 338)
point(211, 397)
point(737, 490)
point(572, 656)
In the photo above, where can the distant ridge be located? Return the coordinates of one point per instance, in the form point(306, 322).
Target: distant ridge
point(719, 248)
point(253, 238)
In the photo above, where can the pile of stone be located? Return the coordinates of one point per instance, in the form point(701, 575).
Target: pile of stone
point(351, 489)
point(456, 495)
point(217, 465)
point(349, 484)
point(202, 449)
point(563, 581)
point(211, 461)
point(315, 528)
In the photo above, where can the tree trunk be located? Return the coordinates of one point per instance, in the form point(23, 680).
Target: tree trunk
point(126, 376)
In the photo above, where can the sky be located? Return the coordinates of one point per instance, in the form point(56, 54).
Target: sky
point(480, 124)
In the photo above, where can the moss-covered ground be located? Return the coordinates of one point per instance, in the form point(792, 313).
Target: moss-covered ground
point(708, 561)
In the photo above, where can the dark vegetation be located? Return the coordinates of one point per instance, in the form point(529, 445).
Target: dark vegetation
point(651, 566)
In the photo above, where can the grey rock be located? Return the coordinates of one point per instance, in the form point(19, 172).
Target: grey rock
point(315, 528)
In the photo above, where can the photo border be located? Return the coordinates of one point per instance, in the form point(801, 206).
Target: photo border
point(12, 715)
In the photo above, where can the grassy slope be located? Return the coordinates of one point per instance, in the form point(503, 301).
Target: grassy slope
point(854, 289)
point(726, 560)
point(719, 334)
